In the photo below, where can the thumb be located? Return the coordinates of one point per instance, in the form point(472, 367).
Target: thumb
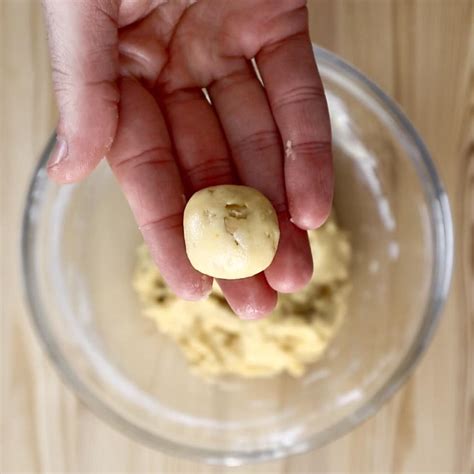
point(84, 56)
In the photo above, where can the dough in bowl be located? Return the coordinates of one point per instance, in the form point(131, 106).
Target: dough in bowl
point(230, 231)
point(215, 342)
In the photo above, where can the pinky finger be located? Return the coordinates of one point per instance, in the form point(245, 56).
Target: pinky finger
point(299, 106)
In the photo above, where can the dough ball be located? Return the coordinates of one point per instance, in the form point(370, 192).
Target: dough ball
point(230, 231)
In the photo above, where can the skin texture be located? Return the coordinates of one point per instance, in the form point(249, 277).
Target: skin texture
point(128, 78)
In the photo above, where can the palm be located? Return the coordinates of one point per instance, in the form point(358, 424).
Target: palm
point(205, 40)
point(171, 141)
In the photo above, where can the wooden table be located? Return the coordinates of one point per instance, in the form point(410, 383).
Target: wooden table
point(422, 53)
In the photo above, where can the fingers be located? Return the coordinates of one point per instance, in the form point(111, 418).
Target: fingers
point(292, 267)
point(199, 143)
point(83, 44)
point(299, 107)
point(142, 161)
point(204, 161)
point(250, 298)
point(257, 153)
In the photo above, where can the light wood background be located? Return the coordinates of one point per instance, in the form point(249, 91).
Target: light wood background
point(422, 53)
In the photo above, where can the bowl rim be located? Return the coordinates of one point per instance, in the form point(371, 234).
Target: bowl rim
point(441, 222)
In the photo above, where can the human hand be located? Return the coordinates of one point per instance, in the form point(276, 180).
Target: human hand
point(128, 77)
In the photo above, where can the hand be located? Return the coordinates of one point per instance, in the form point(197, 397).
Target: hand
point(128, 77)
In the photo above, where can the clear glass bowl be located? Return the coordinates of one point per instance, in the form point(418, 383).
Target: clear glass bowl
point(79, 246)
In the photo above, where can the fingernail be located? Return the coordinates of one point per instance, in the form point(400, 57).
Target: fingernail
point(59, 153)
point(249, 313)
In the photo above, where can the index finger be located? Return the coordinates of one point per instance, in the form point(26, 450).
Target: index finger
point(299, 107)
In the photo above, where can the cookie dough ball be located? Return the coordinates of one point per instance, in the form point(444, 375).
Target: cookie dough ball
point(230, 231)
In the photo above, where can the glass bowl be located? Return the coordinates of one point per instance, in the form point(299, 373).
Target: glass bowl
point(79, 245)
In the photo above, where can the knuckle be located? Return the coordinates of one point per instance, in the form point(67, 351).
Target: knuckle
point(162, 223)
point(300, 95)
point(311, 148)
point(210, 172)
point(256, 142)
point(156, 156)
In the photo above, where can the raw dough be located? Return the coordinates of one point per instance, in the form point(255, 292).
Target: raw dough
point(215, 342)
point(230, 231)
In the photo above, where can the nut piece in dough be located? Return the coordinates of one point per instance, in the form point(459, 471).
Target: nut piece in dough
point(230, 231)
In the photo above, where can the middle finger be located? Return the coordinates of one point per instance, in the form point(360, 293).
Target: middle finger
point(204, 161)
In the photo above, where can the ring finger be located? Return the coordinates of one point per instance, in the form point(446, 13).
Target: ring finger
point(256, 148)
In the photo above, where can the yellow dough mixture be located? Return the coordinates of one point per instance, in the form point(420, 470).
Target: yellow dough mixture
point(230, 231)
point(215, 342)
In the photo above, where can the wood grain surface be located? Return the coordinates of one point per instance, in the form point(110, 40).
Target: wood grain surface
point(422, 53)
